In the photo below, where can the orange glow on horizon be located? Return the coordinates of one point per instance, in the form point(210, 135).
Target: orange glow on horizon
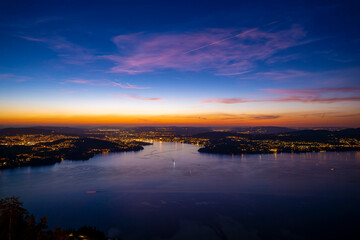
point(290, 120)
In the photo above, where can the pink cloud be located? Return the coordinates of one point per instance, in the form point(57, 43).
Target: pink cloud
point(137, 97)
point(283, 100)
point(83, 81)
point(285, 58)
point(70, 52)
point(146, 99)
point(128, 85)
point(311, 91)
point(33, 39)
point(217, 50)
point(265, 117)
point(340, 77)
point(305, 95)
point(105, 83)
point(289, 74)
point(13, 77)
point(226, 100)
point(6, 75)
point(316, 99)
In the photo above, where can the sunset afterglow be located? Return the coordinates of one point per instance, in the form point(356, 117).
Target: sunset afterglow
point(216, 119)
point(81, 64)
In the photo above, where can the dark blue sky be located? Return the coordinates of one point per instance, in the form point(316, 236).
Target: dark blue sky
point(216, 62)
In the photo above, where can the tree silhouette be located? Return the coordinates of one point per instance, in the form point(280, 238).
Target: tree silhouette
point(17, 224)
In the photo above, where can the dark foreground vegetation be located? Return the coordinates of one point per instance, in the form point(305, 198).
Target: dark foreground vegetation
point(16, 223)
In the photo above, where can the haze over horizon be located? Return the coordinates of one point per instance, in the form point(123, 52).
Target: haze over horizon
point(188, 63)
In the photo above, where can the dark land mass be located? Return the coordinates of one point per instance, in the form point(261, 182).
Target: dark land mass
point(219, 135)
point(64, 130)
point(47, 153)
point(49, 145)
point(146, 132)
point(263, 130)
point(24, 131)
point(290, 142)
point(176, 131)
point(42, 130)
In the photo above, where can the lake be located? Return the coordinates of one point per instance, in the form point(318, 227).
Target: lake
point(170, 191)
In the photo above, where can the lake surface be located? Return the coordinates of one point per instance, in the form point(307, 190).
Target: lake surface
point(170, 191)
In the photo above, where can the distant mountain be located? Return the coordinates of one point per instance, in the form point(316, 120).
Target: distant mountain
point(263, 130)
point(219, 135)
point(40, 130)
point(320, 135)
point(350, 133)
point(63, 130)
point(262, 133)
point(292, 142)
point(244, 132)
point(177, 131)
point(24, 131)
point(307, 135)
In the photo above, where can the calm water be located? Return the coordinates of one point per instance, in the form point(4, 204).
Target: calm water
point(170, 191)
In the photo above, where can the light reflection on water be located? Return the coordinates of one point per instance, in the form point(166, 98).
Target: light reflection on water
point(169, 190)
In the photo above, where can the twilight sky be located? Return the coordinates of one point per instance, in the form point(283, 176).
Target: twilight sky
point(198, 63)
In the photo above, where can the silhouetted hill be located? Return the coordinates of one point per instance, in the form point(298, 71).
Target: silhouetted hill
point(41, 130)
point(219, 135)
point(350, 133)
point(52, 152)
point(24, 131)
point(320, 135)
point(301, 135)
point(177, 131)
point(63, 130)
point(264, 130)
point(308, 136)
point(297, 141)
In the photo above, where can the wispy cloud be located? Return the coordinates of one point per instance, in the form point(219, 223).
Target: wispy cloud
point(105, 83)
point(146, 99)
point(265, 117)
point(285, 58)
point(227, 100)
point(83, 81)
point(13, 77)
point(277, 75)
point(70, 52)
point(128, 85)
point(65, 92)
point(338, 77)
point(284, 100)
point(5, 75)
point(305, 95)
point(222, 51)
point(137, 97)
point(311, 91)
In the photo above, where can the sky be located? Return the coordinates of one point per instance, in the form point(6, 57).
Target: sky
point(180, 63)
